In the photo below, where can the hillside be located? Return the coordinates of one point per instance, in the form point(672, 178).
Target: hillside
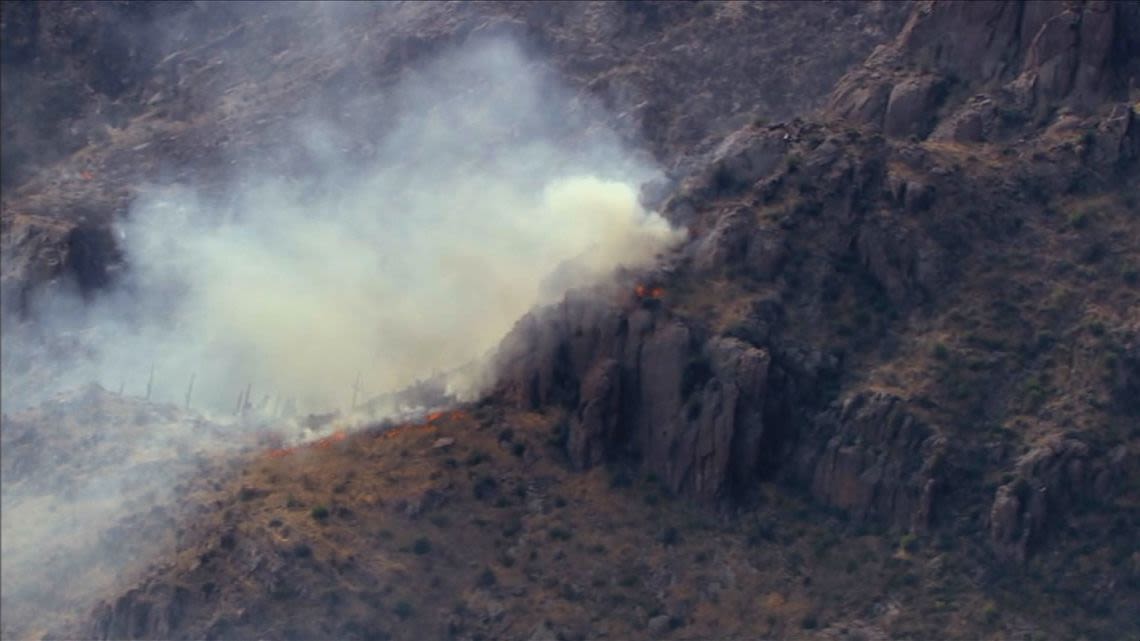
point(886, 388)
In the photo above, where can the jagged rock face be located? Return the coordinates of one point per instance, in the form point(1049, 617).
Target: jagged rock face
point(39, 250)
point(642, 382)
point(1029, 56)
point(873, 458)
point(140, 613)
point(1050, 480)
point(696, 410)
point(34, 249)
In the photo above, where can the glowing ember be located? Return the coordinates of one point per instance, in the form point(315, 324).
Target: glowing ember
point(327, 441)
point(641, 291)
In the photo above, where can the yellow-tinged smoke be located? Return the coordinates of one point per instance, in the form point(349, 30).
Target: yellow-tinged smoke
point(491, 189)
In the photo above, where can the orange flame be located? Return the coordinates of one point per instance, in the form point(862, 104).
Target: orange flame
point(641, 291)
point(327, 441)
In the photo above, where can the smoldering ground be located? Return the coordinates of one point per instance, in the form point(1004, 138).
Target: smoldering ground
point(492, 189)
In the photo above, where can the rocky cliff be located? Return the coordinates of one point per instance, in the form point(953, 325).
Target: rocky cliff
point(862, 248)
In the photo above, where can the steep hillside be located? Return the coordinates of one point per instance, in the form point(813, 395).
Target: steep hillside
point(887, 388)
point(471, 525)
point(184, 90)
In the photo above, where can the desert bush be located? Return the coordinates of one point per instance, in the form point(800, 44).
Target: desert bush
point(485, 487)
point(403, 609)
point(669, 536)
point(487, 578)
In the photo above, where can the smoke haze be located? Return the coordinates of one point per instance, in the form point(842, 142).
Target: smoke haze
point(492, 190)
point(484, 188)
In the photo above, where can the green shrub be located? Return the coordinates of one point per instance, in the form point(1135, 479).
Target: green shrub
point(620, 478)
point(485, 487)
point(1080, 219)
point(794, 162)
point(560, 434)
point(487, 578)
point(421, 546)
point(909, 542)
point(512, 527)
point(989, 613)
point(319, 512)
point(403, 609)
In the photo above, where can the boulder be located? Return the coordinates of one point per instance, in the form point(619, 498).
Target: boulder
point(745, 157)
point(973, 122)
point(911, 107)
point(738, 241)
point(860, 101)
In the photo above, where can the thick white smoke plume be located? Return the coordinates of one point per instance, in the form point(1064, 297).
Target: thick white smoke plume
point(488, 181)
point(484, 188)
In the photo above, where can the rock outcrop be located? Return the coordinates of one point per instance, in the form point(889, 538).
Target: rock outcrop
point(1051, 480)
point(872, 457)
point(696, 412)
point(1027, 58)
point(645, 384)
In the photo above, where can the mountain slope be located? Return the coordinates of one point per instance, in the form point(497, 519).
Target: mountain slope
point(885, 390)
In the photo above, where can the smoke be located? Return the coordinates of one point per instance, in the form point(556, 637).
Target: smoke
point(397, 243)
point(491, 189)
